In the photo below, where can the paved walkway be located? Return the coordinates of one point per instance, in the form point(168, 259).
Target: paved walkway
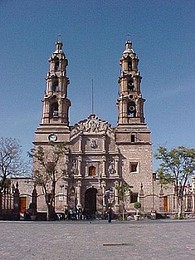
point(71, 240)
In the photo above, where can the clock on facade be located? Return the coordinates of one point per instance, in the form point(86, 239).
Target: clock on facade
point(52, 138)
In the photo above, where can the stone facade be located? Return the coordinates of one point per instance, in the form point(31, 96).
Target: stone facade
point(100, 158)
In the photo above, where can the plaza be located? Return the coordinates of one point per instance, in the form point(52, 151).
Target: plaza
point(69, 240)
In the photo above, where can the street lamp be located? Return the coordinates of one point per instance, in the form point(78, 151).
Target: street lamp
point(109, 194)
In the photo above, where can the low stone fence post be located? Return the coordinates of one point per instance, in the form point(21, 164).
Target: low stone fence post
point(161, 200)
point(141, 197)
point(16, 203)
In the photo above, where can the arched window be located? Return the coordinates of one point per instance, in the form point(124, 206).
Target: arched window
point(130, 64)
point(130, 85)
point(131, 109)
point(92, 171)
point(55, 84)
point(54, 110)
point(56, 65)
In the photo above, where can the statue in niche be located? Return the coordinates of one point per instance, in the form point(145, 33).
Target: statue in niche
point(111, 169)
point(74, 166)
point(93, 143)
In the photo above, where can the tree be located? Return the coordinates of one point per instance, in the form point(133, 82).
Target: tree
point(49, 168)
point(137, 206)
point(11, 162)
point(176, 167)
point(123, 188)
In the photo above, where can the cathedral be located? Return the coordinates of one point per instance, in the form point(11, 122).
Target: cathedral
point(103, 166)
point(100, 157)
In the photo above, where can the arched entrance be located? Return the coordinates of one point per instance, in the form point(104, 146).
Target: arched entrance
point(90, 202)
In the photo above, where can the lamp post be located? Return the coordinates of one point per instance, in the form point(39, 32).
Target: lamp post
point(153, 179)
point(109, 195)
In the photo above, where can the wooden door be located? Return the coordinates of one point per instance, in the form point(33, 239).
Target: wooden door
point(22, 204)
point(165, 204)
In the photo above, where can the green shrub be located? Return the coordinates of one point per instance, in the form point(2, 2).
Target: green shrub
point(137, 205)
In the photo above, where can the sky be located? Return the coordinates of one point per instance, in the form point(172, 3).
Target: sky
point(94, 34)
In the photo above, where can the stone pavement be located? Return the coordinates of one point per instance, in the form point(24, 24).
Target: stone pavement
point(71, 240)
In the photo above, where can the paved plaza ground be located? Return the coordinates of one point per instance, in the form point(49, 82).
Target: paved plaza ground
point(71, 240)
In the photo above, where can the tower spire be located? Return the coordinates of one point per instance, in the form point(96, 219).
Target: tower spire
point(128, 38)
point(59, 38)
point(59, 44)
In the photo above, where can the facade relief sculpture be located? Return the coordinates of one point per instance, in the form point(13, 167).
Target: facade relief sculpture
point(91, 125)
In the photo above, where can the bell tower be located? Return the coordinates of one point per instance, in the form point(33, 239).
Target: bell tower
point(131, 126)
point(55, 102)
point(130, 102)
point(132, 134)
point(55, 121)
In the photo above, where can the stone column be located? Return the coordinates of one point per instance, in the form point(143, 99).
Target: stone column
point(104, 167)
point(49, 85)
point(116, 165)
point(78, 190)
point(104, 144)
point(60, 84)
point(80, 144)
point(134, 64)
point(79, 166)
point(60, 112)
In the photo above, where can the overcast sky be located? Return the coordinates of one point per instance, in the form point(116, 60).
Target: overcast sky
point(94, 34)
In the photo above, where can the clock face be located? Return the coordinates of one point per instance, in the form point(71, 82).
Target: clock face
point(52, 138)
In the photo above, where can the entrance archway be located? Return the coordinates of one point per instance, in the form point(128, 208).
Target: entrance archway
point(90, 202)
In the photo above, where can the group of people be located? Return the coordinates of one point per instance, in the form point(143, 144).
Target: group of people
point(74, 214)
point(79, 214)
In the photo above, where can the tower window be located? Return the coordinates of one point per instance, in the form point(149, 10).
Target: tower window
point(133, 167)
point(133, 138)
point(55, 84)
point(92, 171)
point(56, 65)
point(54, 110)
point(130, 85)
point(130, 64)
point(131, 109)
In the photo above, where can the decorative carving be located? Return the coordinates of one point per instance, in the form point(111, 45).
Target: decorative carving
point(111, 168)
point(93, 143)
point(91, 125)
point(74, 166)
